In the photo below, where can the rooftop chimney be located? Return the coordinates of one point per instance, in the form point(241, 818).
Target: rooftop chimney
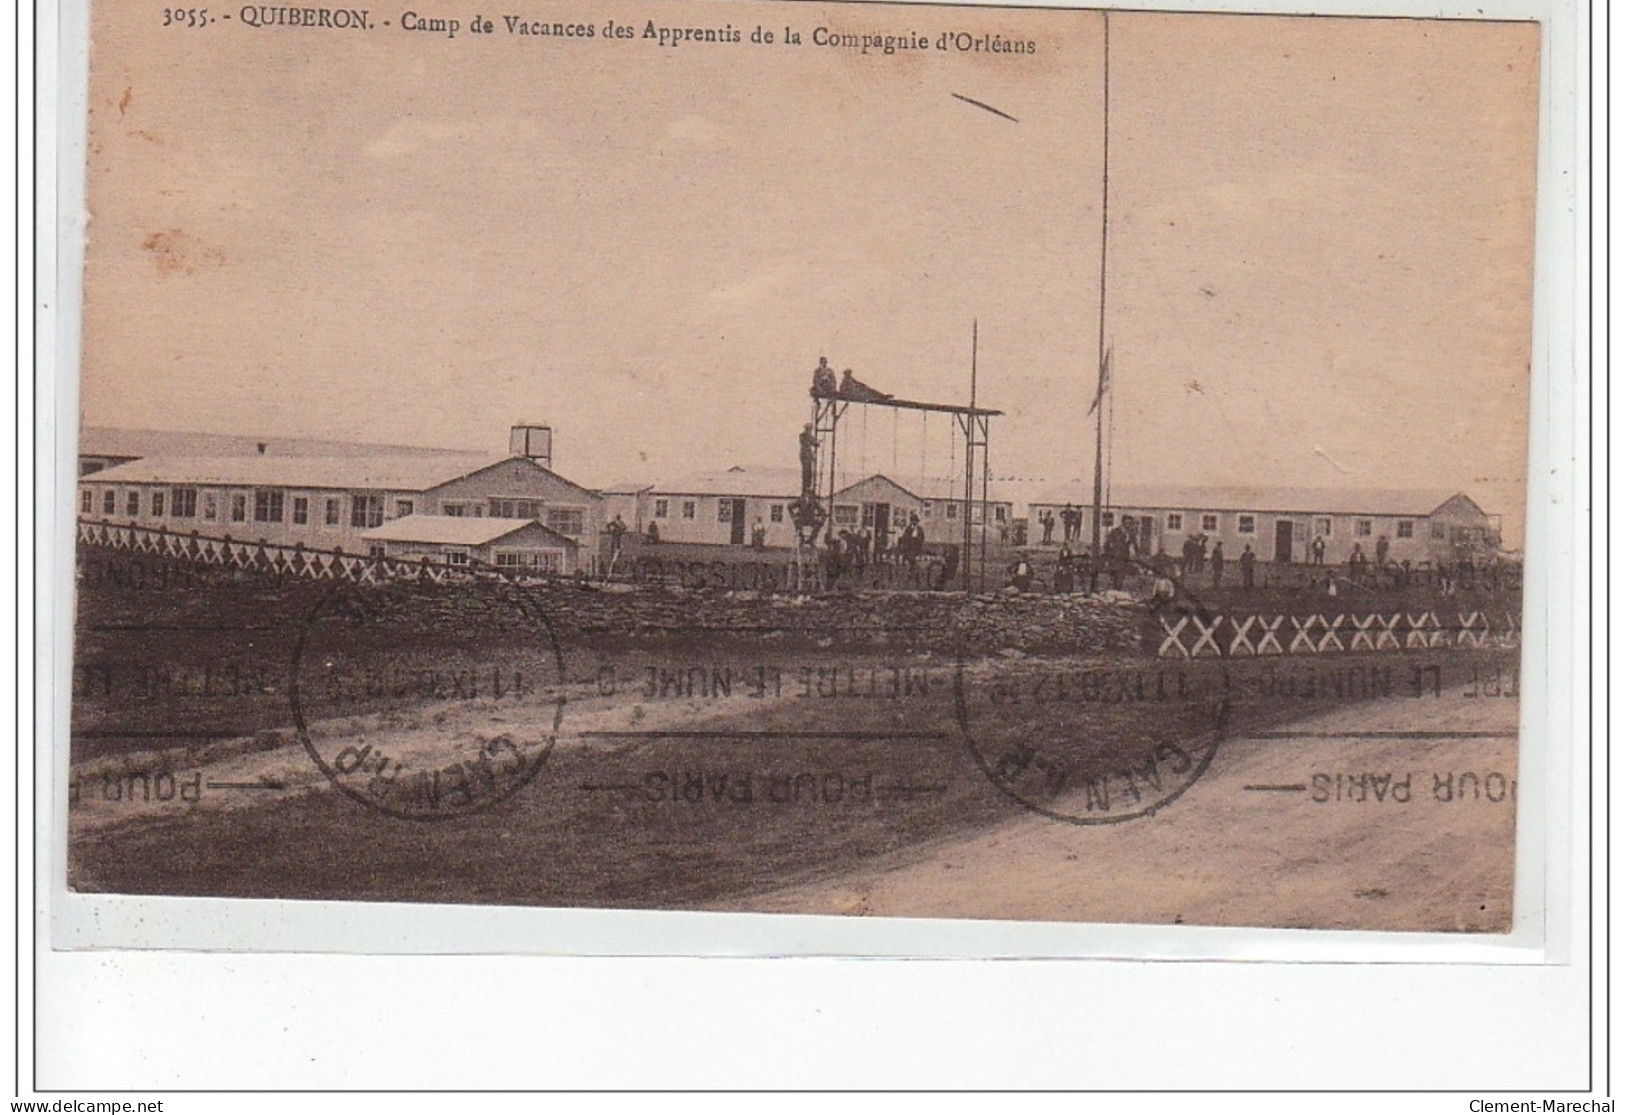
point(534, 443)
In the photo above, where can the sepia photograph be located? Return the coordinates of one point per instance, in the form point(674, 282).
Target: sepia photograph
point(851, 459)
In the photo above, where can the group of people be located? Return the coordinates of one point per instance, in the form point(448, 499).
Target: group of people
point(852, 551)
point(1071, 520)
point(1120, 556)
point(848, 387)
point(1195, 555)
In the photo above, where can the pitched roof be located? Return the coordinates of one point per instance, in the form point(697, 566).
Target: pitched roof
point(398, 474)
point(452, 530)
point(951, 489)
point(773, 483)
point(486, 465)
point(1297, 501)
point(111, 441)
point(884, 479)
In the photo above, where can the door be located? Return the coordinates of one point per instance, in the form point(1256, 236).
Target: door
point(737, 522)
point(1283, 541)
point(882, 525)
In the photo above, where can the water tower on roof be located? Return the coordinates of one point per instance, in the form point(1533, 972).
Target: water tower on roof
point(534, 443)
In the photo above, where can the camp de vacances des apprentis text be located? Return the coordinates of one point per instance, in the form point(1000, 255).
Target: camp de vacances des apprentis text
point(360, 19)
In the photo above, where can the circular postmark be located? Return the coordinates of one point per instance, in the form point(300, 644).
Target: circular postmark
point(427, 702)
point(1093, 742)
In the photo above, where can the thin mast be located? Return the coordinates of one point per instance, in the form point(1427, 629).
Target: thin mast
point(970, 462)
point(1100, 358)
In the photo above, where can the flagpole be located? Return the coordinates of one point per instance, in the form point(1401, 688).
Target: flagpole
point(1100, 365)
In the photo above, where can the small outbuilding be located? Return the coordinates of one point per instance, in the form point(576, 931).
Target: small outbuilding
point(516, 545)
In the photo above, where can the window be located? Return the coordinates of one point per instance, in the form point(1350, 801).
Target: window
point(725, 510)
point(84, 501)
point(1323, 527)
point(239, 509)
point(662, 508)
point(846, 514)
point(688, 509)
point(868, 514)
point(570, 521)
point(268, 505)
point(1439, 531)
point(998, 512)
point(536, 561)
point(301, 510)
point(976, 512)
point(1362, 528)
point(332, 513)
point(157, 504)
point(925, 509)
point(1246, 524)
point(1405, 529)
point(376, 550)
point(183, 503)
point(1176, 521)
point(1106, 518)
point(776, 513)
point(456, 555)
point(403, 508)
point(1210, 522)
point(211, 506)
point(132, 504)
point(950, 510)
point(109, 502)
point(366, 511)
point(455, 510)
point(513, 509)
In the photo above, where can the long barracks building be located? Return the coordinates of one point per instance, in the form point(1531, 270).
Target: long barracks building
point(725, 508)
point(1283, 524)
point(331, 503)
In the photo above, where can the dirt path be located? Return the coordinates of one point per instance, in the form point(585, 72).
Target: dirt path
point(225, 783)
point(1413, 846)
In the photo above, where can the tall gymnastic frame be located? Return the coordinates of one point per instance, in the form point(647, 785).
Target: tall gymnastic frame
point(974, 424)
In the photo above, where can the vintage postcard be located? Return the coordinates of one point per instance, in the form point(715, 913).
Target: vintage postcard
point(846, 459)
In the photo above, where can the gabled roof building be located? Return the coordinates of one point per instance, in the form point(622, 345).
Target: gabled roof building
point(1286, 524)
point(333, 503)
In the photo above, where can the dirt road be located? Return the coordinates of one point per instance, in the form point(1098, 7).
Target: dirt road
point(1355, 818)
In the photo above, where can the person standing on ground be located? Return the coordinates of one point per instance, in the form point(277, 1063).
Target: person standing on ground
point(1248, 560)
point(1216, 563)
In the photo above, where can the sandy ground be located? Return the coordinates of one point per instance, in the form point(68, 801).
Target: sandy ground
point(1326, 823)
point(1225, 854)
point(414, 737)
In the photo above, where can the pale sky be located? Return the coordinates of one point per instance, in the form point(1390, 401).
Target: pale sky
point(1318, 269)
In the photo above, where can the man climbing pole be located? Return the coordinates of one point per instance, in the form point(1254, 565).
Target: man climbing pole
point(809, 460)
